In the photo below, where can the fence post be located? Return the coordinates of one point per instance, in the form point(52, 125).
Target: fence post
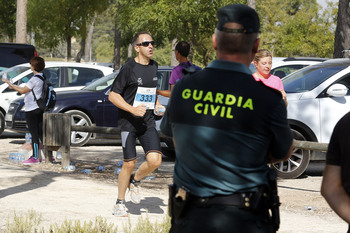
point(56, 136)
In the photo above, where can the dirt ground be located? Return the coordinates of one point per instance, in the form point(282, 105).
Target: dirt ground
point(59, 195)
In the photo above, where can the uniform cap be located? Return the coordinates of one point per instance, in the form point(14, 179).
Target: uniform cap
point(241, 14)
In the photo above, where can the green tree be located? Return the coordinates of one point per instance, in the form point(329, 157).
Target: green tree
point(193, 21)
point(8, 19)
point(296, 28)
point(54, 21)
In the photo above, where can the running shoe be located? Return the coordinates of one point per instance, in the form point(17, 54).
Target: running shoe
point(30, 161)
point(134, 193)
point(120, 210)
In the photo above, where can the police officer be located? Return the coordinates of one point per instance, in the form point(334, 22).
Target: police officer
point(226, 128)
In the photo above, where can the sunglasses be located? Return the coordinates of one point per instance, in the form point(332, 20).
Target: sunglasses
point(146, 43)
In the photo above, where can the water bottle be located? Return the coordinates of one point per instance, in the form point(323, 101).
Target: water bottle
point(117, 170)
point(70, 168)
point(149, 178)
point(120, 163)
point(58, 155)
point(158, 110)
point(21, 158)
point(12, 157)
point(17, 157)
point(87, 171)
point(100, 168)
point(28, 138)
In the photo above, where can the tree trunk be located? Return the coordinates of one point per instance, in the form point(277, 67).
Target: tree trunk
point(251, 3)
point(88, 47)
point(130, 48)
point(117, 45)
point(21, 21)
point(174, 62)
point(69, 47)
point(81, 52)
point(342, 32)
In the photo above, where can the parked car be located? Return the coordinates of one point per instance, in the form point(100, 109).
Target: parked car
point(281, 67)
point(62, 75)
point(13, 54)
point(89, 106)
point(318, 96)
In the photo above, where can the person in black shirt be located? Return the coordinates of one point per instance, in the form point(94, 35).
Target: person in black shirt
point(336, 176)
point(134, 93)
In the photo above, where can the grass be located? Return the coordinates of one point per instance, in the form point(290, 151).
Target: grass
point(29, 222)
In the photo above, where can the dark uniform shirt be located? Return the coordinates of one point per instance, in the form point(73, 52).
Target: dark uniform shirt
point(224, 123)
point(131, 77)
point(338, 152)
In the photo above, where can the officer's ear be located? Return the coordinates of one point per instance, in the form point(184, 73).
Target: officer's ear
point(213, 37)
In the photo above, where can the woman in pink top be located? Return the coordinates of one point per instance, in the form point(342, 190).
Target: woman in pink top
point(263, 64)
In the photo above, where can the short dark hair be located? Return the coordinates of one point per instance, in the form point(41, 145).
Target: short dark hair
point(137, 35)
point(183, 48)
point(235, 42)
point(38, 63)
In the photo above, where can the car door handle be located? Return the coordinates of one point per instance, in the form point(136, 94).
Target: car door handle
point(99, 101)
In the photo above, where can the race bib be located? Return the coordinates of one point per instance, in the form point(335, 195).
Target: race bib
point(145, 96)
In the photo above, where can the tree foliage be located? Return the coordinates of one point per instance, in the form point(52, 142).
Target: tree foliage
point(289, 27)
point(192, 21)
point(8, 19)
point(296, 28)
point(54, 21)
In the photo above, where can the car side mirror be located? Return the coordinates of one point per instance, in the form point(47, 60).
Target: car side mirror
point(337, 90)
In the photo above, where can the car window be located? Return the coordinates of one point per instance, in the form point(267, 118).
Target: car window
point(163, 80)
point(310, 77)
point(282, 71)
point(13, 72)
point(102, 83)
point(82, 76)
point(52, 74)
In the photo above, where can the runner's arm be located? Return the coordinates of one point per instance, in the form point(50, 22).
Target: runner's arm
point(119, 101)
point(334, 193)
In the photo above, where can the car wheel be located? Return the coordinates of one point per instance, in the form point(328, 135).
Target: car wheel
point(2, 123)
point(296, 164)
point(79, 118)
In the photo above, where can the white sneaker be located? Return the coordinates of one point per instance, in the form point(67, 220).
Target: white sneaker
point(120, 210)
point(134, 193)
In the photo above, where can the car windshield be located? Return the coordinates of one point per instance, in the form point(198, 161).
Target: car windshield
point(102, 83)
point(310, 77)
point(12, 72)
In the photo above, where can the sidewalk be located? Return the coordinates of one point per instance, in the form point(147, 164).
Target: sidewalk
point(60, 195)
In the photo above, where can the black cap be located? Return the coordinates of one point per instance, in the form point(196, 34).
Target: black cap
point(241, 14)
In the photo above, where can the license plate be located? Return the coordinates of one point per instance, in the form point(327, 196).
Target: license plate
point(8, 117)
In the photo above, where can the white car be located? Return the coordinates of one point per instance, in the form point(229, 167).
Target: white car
point(62, 75)
point(282, 66)
point(286, 66)
point(318, 96)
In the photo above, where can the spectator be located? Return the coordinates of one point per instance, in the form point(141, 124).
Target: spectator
point(34, 115)
point(263, 64)
point(182, 49)
point(336, 176)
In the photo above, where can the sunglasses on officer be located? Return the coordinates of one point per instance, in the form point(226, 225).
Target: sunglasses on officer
point(146, 43)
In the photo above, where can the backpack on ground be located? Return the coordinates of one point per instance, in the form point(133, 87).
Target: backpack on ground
point(47, 99)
